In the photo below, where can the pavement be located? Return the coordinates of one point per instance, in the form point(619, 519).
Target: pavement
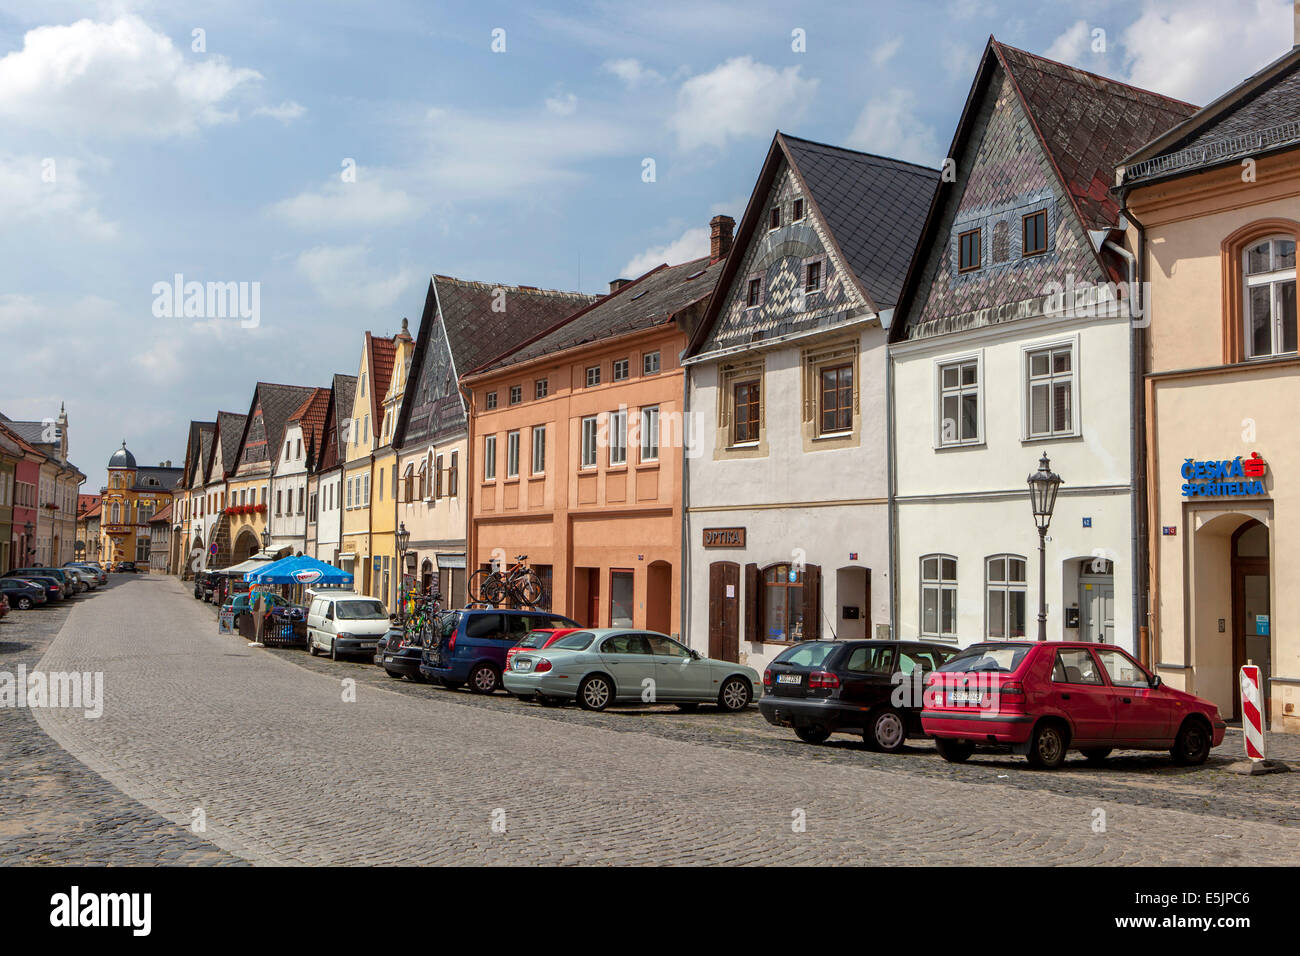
point(209, 751)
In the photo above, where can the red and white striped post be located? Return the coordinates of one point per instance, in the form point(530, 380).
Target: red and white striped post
point(1252, 712)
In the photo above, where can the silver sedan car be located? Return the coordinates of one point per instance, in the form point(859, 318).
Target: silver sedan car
point(602, 666)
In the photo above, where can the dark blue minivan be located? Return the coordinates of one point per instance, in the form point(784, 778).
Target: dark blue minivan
point(471, 645)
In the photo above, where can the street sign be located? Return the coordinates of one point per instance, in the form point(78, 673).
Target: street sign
point(1252, 712)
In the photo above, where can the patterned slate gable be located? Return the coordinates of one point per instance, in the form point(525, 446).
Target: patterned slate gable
point(264, 429)
point(1002, 174)
point(225, 445)
point(778, 258)
point(464, 325)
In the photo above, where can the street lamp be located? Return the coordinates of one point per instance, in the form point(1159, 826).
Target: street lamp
point(1043, 485)
point(266, 539)
point(403, 539)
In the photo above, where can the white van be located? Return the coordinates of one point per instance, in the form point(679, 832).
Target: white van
point(344, 622)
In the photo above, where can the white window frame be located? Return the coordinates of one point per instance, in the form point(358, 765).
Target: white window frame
point(646, 360)
point(539, 449)
point(939, 584)
point(489, 457)
point(649, 434)
point(589, 443)
point(940, 392)
point(618, 438)
point(1005, 587)
point(1076, 412)
point(1273, 279)
point(512, 454)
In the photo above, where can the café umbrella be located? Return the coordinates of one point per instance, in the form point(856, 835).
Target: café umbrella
point(301, 569)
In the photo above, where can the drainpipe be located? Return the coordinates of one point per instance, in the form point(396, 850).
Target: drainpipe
point(1140, 550)
point(685, 610)
point(891, 492)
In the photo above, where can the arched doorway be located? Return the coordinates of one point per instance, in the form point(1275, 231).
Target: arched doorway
point(659, 597)
point(1251, 620)
point(246, 545)
point(426, 577)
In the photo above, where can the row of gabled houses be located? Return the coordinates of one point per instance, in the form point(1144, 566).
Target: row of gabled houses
point(824, 427)
point(39, 488)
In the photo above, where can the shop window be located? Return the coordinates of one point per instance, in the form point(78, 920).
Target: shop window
point(939, 596)
point(783, 604)
point(621, 597)
point(1004, 584)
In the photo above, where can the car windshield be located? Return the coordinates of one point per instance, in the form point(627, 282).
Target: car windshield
point(535, 638)
point(578, 641)
point(811, 654)
point(1003, 659)
point(360, 611)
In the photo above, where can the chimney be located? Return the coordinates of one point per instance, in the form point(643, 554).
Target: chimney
point(616, 284)
point(720, 231)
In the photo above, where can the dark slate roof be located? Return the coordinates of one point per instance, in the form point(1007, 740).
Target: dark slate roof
point(122, 458)
point(278, 402)
point(873, 205)
point(1088, 124)
point(653, 299)
point(231, 427)
point(1256, 116)
point(167, 478)
point(477, 335)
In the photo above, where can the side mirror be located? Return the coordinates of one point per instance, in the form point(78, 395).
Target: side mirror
point(695, 655)
point(1155, 681)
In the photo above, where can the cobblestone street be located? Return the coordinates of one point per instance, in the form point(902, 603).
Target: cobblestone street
point(282, 769)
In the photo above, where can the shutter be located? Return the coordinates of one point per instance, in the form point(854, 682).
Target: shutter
point(812, 602)
point(753, 626)
point(453, 477)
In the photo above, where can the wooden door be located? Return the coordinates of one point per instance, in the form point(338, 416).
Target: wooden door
point(724, 611)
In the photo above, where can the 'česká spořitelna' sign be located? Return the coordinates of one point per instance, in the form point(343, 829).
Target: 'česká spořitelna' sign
point(1235, 478)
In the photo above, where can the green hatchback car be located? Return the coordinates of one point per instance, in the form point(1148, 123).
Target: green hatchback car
point(603, 666)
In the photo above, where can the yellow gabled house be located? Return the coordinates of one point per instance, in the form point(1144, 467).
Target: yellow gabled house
point(386, 577)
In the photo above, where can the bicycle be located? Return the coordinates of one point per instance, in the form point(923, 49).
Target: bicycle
point(518, 583)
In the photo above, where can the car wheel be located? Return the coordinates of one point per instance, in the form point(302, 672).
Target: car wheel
point(24, 604)
point(954, 751)
point(1047, 746)
point(887, 731)
point(1096, 754)
point(734, 695)
point(1192, 745)
point(688, 708)
point(595, 692)
point(311, 647)
point(812, 735)
point(483, 679)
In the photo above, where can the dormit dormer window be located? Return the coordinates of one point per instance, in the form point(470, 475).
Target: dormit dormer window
point(796, 210)
point(754, 293)
point(1033, 231)
point(968, 250)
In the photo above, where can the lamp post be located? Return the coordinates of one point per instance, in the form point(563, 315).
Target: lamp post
point(29, 528)
point(266, 539)
point(1043, 485)
point(403, 539)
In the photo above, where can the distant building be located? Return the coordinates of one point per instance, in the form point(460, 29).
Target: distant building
point(134, 496)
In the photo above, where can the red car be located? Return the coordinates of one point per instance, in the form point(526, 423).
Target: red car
point(536, 640)
point(1044, 699)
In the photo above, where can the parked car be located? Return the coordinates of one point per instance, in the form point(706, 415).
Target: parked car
point(1044, 699)
point(471, 645)
point(240, 603)
point(602, 666)
point(80, 580)
point(872, 688)
point(95, 574)
point(55, 590)
point(65, 581)
point(125, 567)
point(536, 640)
point(345, 623)
point(24, 594)
point(399, 653)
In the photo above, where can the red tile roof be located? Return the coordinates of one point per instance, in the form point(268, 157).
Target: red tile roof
point(382, 352)
point(310, 415)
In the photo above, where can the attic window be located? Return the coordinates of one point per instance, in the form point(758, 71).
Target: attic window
point(754, 294)
point(796, 213)
point(774, 218)
point(696, 275)
point(968, 250)
point(639, 294)
point(1034, 228)
point(490, 400)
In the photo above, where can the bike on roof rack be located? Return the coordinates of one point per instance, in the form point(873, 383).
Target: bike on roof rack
point(519, 584)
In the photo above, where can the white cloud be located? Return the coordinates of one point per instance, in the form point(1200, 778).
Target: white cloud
point(1071, 45)
point(562, 105)
point(631, 72)
point(343, 277)
point(692, 244)
point(121, 78)
point(885, 52)
point(1196, 50)
point(49, 190)
point(286, 112)
point(736, 99)
point(888, 126)
point(366, 202)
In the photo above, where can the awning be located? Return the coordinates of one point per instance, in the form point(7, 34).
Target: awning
point(258, 560)
point(451, 560)
point(299, 570)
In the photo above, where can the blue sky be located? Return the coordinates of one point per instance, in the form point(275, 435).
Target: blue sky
point(128, 156)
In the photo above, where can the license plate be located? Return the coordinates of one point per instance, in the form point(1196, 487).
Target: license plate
point(524, 665)
point(388, 658)
point(963, 697)
point(789, 678)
